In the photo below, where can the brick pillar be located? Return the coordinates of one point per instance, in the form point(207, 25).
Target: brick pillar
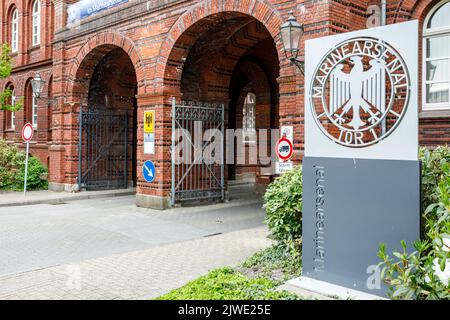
point(292, 109)
point(61, 130)
point(156, 194)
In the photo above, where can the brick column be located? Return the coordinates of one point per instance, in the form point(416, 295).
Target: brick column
point(156, 194)
point(292, 109)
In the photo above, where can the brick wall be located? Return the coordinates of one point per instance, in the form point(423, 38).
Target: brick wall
point(27, 62)
point(188, 50)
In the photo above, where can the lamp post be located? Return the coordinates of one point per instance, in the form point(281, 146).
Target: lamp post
point(291, 33)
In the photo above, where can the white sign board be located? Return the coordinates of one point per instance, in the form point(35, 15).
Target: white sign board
point(283, 167)
point(361, 95)
point(149, 143)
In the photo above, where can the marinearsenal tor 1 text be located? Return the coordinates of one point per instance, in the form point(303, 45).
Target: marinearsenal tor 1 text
point(360, 88)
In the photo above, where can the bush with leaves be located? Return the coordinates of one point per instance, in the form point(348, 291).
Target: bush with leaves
point(283, 204)
point(435, 164)
point(12, 169)
point(424, 273)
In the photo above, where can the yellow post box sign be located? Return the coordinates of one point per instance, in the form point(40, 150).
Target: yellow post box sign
point(149, 121)
point(149, 132)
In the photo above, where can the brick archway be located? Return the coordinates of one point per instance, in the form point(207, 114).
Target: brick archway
point(259, 10)
point(98, 46)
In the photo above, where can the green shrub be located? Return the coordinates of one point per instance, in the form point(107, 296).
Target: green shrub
point(283, 204)
point(435, 164)
point(12, 169)
point(420, 274)
point(228, 284)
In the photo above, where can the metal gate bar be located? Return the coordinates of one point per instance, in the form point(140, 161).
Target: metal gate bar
point(102, 150)
point(197, 180)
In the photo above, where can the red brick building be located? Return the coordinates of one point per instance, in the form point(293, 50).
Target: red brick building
point(138, 55)
point(28, 26)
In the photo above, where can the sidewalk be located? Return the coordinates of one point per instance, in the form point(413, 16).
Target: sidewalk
point(50, 197)
point(142, 274)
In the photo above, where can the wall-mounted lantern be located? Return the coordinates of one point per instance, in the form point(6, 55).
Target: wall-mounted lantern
point(291, 33)
point(38, 85)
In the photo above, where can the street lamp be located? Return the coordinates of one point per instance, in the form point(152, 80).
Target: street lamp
point(37, 84)
point(291, 33)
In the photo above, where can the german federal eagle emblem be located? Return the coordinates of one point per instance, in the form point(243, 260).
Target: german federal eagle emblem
point(360, 92)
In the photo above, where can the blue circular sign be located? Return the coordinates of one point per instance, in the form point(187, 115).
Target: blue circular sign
point(148, 171)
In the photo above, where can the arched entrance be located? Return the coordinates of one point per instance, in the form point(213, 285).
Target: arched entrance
point(107, 122)
point(221, 59)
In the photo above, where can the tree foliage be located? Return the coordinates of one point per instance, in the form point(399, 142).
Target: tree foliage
point(6, 67)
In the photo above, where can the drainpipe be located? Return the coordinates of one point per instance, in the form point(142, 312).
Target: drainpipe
point(383, 13)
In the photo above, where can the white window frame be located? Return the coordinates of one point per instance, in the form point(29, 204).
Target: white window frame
point(34, 114)
point(36, 23)
point(249, 125)
point(15, 30)
point(429, 33)
point(13, 115)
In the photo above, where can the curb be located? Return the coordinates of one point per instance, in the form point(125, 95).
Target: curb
point(70, 198)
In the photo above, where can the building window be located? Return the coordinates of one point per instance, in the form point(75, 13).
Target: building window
point(436, 64)
point(13, 115)
point(248, 120)
point(15, 31)
point(10, 115)
point(36, 27)
point(34, 112)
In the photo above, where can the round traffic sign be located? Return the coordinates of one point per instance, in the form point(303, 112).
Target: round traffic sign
point(284, 149)
point(27, 132)
point(148, 171)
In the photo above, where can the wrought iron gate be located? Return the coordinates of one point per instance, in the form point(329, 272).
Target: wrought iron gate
point(102, 150)
point(201, 178)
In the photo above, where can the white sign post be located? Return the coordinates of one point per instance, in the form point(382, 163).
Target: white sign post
point(27, 135)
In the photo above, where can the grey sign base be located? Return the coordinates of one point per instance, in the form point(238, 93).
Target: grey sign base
point(350, 206)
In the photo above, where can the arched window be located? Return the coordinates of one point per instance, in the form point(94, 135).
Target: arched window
point(31, 113)
point(10, 115)
point(436, 53)
point(36, 24)
point(12, 123)
point(248, 119)
point(34, 112)
point(14, 30)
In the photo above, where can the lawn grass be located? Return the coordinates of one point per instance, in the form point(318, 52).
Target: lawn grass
point(255, 279)
point(228, 284)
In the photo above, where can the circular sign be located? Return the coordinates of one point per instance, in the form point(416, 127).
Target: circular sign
point(148, 171)
point(360, 92)
point(27, 132)
point(284, 149)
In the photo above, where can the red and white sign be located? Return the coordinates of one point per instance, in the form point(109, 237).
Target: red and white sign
point(27, 132)
point(284, 149)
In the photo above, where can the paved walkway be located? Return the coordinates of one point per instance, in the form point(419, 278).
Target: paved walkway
point(110, 249)
point(142, 274)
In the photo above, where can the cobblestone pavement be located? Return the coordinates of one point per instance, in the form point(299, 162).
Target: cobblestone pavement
point(142, 274)
point(109, 249)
